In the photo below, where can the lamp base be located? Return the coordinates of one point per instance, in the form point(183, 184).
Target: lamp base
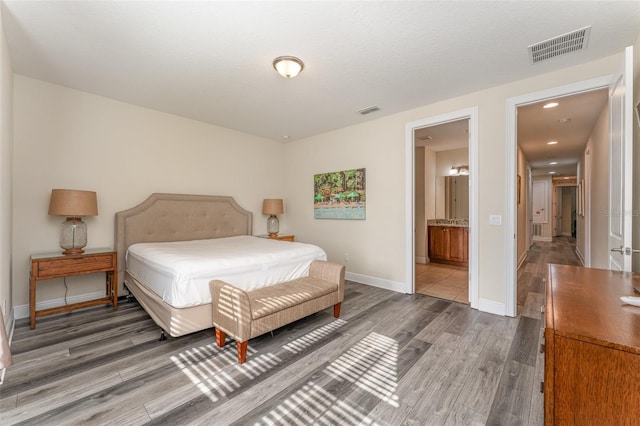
point(74, 236)
point(273, 226)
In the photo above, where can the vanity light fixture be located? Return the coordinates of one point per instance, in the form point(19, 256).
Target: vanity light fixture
point(288, 66)
point(459, 171)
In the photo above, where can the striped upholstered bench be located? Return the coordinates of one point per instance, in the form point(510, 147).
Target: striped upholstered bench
point(244, 315)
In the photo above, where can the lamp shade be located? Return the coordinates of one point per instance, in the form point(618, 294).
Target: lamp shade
point(73, 203)
point(272, 206)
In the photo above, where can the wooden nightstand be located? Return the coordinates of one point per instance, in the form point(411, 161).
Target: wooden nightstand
point(290, 238)
point(57, 265)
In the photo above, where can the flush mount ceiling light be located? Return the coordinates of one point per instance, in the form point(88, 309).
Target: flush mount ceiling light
point(550, 105)
point(288, 66)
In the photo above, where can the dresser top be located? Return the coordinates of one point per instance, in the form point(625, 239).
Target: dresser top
point(584, 304)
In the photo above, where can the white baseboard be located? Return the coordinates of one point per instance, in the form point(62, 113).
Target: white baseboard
point(376, 282)
point(580, 257)
point(421, 259)
point(492, 307)
point(522, 259)
point(484, 305)
point(22, 311)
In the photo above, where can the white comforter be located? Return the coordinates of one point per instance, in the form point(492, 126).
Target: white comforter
point(179, 272)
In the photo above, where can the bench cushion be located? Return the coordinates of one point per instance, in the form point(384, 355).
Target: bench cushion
point(267, 300)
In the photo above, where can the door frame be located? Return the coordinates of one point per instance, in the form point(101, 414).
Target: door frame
point(511, 244)
point(470, 114)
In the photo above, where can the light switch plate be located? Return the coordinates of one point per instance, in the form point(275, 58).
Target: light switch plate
point(495, 219)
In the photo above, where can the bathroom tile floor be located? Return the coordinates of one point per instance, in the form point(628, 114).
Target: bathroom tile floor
point(443, 281)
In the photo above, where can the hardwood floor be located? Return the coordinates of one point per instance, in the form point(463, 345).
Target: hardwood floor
point(390, 359)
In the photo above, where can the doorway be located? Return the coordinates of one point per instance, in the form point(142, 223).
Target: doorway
point(471, 115)
point(583, 197)
point(441, 177)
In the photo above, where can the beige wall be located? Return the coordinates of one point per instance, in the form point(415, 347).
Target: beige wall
point(125, 152)
point(425, 199)
point(6, 170)
point(70, 139)
point(598, 146)
point(376, 245)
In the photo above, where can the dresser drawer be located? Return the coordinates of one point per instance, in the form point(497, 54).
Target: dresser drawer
point(74, 265)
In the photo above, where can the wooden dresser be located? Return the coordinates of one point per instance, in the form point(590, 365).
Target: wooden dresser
point(592, 347)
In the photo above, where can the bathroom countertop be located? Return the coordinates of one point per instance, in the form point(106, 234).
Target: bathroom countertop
point(460, 223)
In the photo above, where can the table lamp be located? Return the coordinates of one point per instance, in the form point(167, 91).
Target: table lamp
point(74, 204)
point(272, 207)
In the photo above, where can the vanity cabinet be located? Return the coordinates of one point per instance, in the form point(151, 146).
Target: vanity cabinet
point(592, 347)
point(449, 244)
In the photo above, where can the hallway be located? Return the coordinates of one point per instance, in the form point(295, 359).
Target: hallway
point(531, 274)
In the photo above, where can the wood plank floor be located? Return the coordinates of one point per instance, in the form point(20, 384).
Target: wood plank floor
point(391, 359)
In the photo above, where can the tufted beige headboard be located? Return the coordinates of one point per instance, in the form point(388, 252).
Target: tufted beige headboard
point(179, 217)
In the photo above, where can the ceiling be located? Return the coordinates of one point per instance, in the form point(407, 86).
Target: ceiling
point(444, 137)
point(569, 124)
point(212, 60)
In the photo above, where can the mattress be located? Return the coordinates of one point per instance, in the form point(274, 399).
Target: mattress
point(179, 272)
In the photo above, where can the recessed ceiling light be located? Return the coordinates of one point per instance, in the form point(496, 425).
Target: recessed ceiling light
point(552, 173)
point(285, 137)
point(550, 105)
point(564, 120)
point(552, 143)
point(553, 163)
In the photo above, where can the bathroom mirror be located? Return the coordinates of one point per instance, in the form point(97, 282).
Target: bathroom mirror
point(452, 197)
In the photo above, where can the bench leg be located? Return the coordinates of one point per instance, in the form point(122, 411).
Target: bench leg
point(242, 351)
point(336, 310)
point(220, 337)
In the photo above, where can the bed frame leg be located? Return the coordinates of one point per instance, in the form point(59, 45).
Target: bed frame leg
point(336, 310)
point(220, 337)
point(163, 337)
point(242, 351)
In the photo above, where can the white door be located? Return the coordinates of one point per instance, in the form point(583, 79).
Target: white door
point(557, 211)
point(540, 201)
point(621, 166)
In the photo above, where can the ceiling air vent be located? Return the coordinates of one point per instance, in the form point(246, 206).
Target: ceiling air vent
point(369, 110)
point(560, 45)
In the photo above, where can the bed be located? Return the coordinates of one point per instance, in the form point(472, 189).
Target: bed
point(212, 229)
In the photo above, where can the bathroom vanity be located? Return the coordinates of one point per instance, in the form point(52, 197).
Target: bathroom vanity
point(448, 242)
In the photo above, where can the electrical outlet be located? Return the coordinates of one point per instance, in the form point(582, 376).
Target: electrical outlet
point(346, 258)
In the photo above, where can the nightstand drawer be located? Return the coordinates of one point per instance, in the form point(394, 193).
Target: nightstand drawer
point(74, 265)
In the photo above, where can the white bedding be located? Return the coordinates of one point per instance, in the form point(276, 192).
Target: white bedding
point(179, 272)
